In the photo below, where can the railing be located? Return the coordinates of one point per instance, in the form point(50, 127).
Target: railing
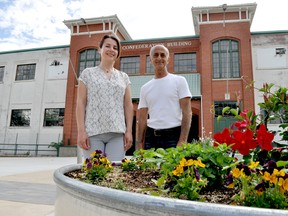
point(27, 150)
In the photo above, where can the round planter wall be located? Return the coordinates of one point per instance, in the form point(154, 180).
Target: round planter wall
point(75, 198)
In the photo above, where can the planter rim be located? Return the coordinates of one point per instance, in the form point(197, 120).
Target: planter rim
point(91, 193)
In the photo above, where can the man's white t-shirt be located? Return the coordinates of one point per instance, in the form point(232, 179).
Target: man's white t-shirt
point(161, 97)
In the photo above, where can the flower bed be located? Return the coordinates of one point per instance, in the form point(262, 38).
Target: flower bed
point(259, 178)
point(79, 198)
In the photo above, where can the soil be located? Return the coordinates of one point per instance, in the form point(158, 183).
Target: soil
point(140, 181)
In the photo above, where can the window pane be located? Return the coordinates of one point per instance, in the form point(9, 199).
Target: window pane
point(25, 72)
point(88, 58)
point(226, 59)
point(185, 62)
point(20, 117)
point(54, 117)
point(130, 65)
point(2, 68)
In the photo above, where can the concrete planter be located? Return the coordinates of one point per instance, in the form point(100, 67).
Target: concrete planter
point(79, 198)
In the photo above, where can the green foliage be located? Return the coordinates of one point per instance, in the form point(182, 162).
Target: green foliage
point(97, 166)
point(56, 145)
point(119, 185)
point(184, 170)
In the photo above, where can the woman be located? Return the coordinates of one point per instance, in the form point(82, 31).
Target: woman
point(104, 110)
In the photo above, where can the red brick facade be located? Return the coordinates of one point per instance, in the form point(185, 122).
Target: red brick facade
point(211, 89)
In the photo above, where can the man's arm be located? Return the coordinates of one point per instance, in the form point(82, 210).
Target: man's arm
point(142, 124)
point(185, 104)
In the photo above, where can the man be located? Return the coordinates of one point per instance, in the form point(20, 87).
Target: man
point(167, 101)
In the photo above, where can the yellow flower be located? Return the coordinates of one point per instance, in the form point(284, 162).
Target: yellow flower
point(273, 179)
point(183, 162)
point(266, 176)
point(104, 160)
point(178, 171)
point(283, 183)
point(93, 154)
point(231, 185)
point(280, 181)
point(126, 160)
point(236, 172)
point(190, 162)
point(199, 163)
point(275, 172)
point(282, 173)
point(108, 165)
point(243, 175)
point(253, 164)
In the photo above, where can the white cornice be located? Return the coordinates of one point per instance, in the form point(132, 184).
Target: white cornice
point(198, 11)
point(113, 21)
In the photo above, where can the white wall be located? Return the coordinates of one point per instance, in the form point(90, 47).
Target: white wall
point(47, 90)
point(269, 67)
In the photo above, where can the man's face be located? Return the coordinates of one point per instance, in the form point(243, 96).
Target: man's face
point(159, 58)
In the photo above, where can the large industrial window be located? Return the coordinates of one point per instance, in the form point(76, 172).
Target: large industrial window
point(54, 117)
point(185, 62)
point(88, 58)
point(130, 65)
point(20, 117)
point(2, 68)
point(25, 72)
point(149, 66)
point(225, 59)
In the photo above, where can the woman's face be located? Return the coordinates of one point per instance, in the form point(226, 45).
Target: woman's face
point(109, 50)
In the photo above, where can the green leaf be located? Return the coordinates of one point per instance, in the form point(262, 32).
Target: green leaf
point(160, 181)
point(225, 109)
point(234, 112)
point(281, 163)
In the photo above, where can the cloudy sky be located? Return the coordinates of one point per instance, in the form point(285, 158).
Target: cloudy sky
point(26, 24)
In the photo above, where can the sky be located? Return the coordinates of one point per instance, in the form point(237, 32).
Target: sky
point(28, 24)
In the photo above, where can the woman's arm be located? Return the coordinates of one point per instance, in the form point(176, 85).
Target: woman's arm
point(82, 138)
point(128, 112)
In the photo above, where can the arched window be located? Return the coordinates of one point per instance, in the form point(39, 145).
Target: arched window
point(88, 58)
point(226, 62)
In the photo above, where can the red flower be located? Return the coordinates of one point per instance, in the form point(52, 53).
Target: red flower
point(224, 137)
point(241, 125)
point(244, 141)
point(264, 138)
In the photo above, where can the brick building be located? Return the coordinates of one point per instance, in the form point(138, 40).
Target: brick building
point(38, 87)
point(212, 61)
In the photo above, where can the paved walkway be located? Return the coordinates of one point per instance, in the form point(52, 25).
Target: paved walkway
point(27, 187)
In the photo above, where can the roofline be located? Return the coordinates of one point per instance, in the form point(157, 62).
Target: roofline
point(270, 32)
point(36, 49)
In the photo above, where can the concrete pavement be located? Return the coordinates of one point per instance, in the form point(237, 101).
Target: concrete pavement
point(26, 184)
